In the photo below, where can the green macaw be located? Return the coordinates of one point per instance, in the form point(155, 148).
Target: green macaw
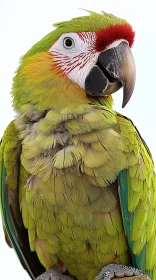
point(78, 188)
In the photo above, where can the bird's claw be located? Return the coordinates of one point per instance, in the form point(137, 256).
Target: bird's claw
point(54, 274)
point(117, 270)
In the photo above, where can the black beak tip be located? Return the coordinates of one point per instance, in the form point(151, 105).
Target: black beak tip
point(126, 96)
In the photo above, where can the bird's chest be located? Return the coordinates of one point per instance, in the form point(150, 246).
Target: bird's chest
point(71, 174)
point(67, 169)
point(70, 199)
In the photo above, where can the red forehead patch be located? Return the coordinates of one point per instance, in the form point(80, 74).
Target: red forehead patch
point(112, 33)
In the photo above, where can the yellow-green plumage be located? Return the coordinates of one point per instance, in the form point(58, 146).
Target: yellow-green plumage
point(63, 154)
point(67, 203)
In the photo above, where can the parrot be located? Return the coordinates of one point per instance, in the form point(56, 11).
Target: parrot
point(77, 180)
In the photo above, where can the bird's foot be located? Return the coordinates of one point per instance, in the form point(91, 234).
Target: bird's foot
point(54, 274)
point(111, 271)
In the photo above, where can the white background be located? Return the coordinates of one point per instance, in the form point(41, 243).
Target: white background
point(23, 23)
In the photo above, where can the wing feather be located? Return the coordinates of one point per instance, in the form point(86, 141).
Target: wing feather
point(15, 233)
point(138, 195)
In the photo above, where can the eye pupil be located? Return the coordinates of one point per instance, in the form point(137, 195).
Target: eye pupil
point(68, 42)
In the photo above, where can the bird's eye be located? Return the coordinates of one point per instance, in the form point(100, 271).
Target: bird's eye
point(68, 43)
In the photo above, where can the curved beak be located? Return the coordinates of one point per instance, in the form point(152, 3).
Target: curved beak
point(114, 69)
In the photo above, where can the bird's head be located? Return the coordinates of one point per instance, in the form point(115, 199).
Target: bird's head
point(87, 57)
